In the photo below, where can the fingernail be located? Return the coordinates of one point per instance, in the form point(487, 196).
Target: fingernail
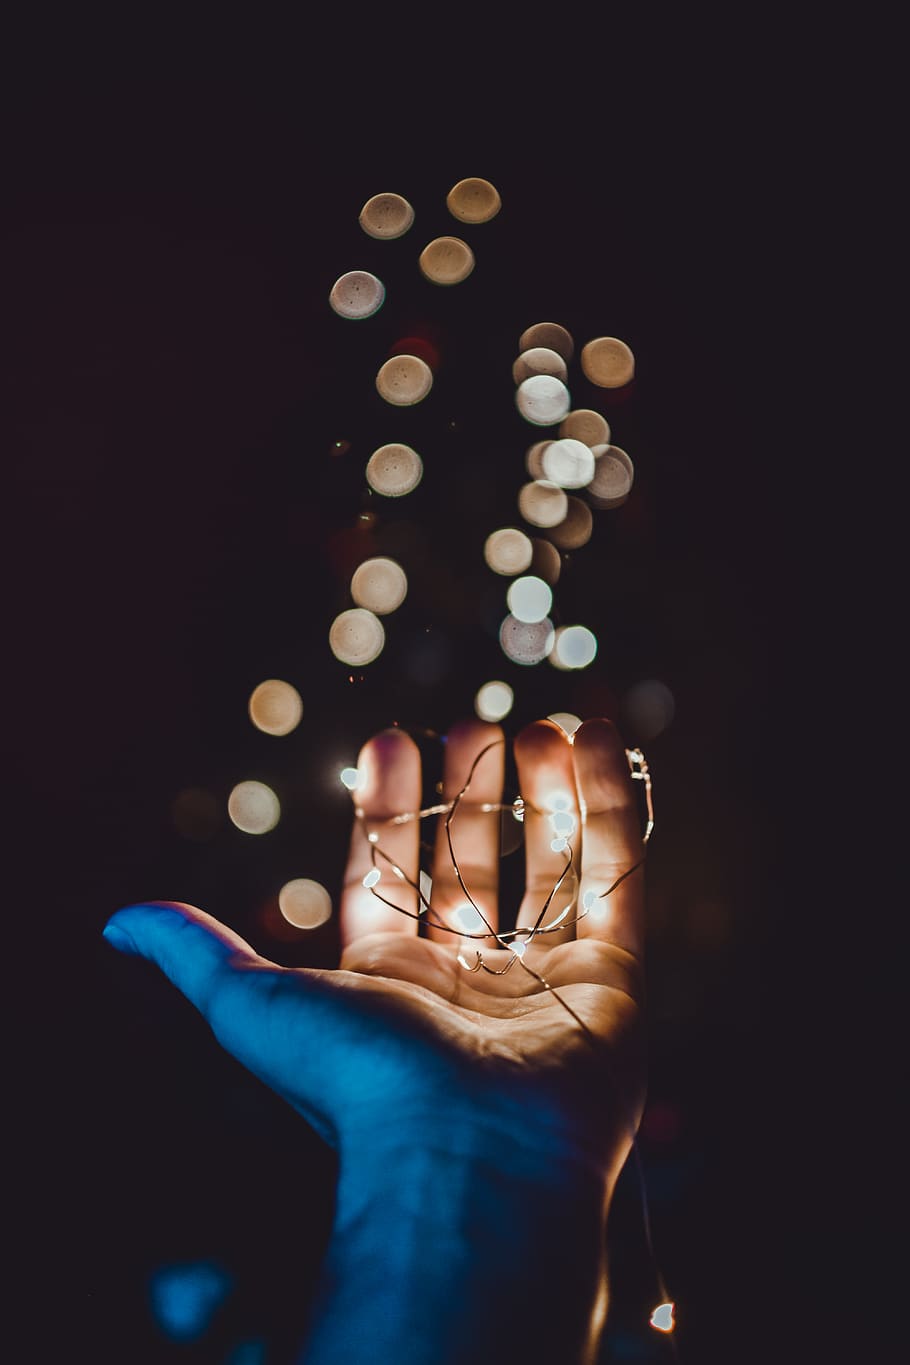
point(119, 940)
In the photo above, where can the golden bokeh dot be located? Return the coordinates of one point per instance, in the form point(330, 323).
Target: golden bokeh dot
point(380, 585)
point(394, 470)
point(584, 424)
point(538, 360)
point(386, 216)
point(254, 807)
point(613, 477)
point(275, 707)
point(607, 362)
point(534, 459)
point(542, 503)
point(404, 380)
point(473, 201)
point(356, 637)
point(575, 528)
point(304, 903)
point(446, 260)
point(551, 334)
point(358, 294)
point(545, 562)
point(508, 551)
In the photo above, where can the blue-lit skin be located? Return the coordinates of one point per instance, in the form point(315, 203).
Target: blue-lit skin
point(185, 1298)
point(480, 1129)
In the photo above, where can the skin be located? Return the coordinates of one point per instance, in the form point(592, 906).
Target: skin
point(480, 1128)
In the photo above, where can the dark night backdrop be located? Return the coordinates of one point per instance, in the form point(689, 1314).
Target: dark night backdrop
point(180, 529)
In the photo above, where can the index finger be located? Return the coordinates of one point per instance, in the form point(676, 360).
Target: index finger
point(611, 839)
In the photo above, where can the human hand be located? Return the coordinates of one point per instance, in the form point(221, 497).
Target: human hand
point(401, 1046)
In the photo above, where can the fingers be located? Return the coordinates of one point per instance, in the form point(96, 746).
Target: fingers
point(612, 838)
point(390, 765)
point(546, 780)
point(474, 832)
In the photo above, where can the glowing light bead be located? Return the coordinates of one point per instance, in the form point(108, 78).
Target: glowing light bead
point(404, 380)
point(613, 477)
point(473, 201)
point(607, 362)
point(563, 822)
point(254, 807)
point(662, 1317)
point(508, 551)
point(542, 400)
point(468, 919)
point(386, 216)
point(576, 527)
point(568, 462)
point(550, 334)
point(493, 701)
point(559, 845)
point(352, 778)
point(358, 294)
point(589, 900)
point(543, 503)
point(584, 424)
point(372, 877)
point(534, 459)
point(576, 647)
point(305, 903)
point(356, 637)
point(275, 707)
point(565, 720)
point(394, 470)
point(446, 260)
point(529, 598)
point(557, 801)
point(526, 642)
point(538, 360)
point(380, 585)
point(519, 947)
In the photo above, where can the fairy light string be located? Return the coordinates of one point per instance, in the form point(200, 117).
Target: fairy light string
point(516, 941)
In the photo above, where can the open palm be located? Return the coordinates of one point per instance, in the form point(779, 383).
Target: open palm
point(402, 1032)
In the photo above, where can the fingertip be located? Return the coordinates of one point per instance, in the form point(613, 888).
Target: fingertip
point(538, 736)
point(119, 939)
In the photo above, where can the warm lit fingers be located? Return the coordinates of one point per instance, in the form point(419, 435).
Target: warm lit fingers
point(474, 832)
point(389, 765)
point(552, 824)
point(612, 839)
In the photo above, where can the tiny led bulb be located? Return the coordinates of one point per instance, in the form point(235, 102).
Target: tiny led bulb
point(562, 822)
point(589, 900)
point(352, 778)
point(519, 947)
point(468, 919)
point(559, 845)
point(662, 1317)
point(372, 877)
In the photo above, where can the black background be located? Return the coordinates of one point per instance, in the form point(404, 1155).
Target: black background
point(179, 528)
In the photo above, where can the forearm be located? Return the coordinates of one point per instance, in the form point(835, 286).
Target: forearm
point(446, 1257)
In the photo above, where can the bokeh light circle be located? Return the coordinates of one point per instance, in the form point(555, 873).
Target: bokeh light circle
point(538, 360)
point(380, 585)
point(386, 216)
point(404, 380)
point(494, 700)
point(542, 400)
point(568, 462)
point(446, 260)
point(534, 459)
point(529, 598)
point(304, 903)
point(575, 646)
point(546, 562)
point(584, 424)
point(542, 503)
point(566, 720)
point(526, 642)
point(356, 637)
point(551, 334)
point(275, 707)
point(358, 294)
point(473, 201)
point(508, 551)
point(254, 808)
point(576, 526)
point(613, 477)
point(607, 362)
point(394, 470)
